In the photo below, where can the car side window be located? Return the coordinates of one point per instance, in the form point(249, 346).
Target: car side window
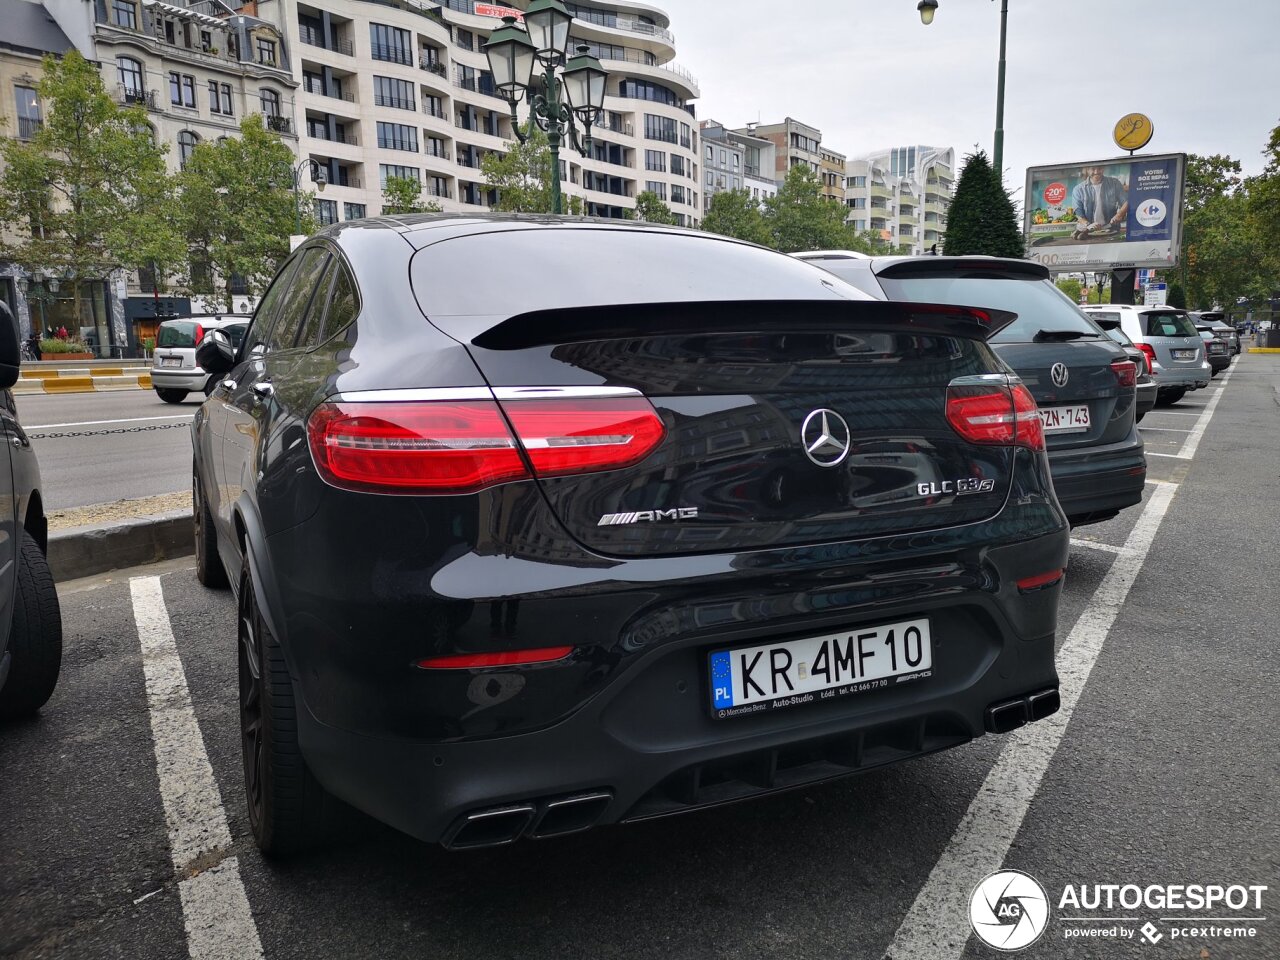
point(309, 333)
point(344, 303)
point(293, 307)
point(260, 325)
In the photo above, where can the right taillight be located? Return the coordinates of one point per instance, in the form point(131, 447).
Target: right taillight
point(1149, 352)
point(993, 412)
point(1126, 373)
point(452, 447)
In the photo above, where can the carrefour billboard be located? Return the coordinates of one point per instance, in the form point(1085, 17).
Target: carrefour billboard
point(1105, 214)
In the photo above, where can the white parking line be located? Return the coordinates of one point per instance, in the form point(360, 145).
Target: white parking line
point(1197, 430)
point(937, 924)
point(1171, 413)
point(1097, 545)
point(215, 908)
point(94, 423)
point(1163, 429)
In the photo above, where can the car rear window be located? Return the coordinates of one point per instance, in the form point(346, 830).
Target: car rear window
point(1038, 303)
point(1167, 323)
point(176, 333)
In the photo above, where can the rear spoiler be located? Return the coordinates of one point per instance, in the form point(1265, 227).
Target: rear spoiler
point(622, 321)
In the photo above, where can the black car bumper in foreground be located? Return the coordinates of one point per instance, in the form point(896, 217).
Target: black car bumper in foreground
point(1093, 483)
point(624, 729)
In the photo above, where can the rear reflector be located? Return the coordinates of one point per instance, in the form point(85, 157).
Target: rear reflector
point(1126, 373)
point(1039, 580)
point(511, 658)
point(994, 413)
point(452, 447)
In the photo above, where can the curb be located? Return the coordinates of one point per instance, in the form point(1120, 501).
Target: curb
point(84, 551)
point(1264, 349)
point(68, 382)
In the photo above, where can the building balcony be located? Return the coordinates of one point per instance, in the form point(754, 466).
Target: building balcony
point(280, 124)
point(319, 134)
point(390, 100)
point(389, 54)
point(131, 98)
point(28, 127)
point(313, 39)
point(433, 66)
point(347, 95)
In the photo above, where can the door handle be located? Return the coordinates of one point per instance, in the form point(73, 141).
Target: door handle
point(263, 389)
point(228, 385)
point(16, 441)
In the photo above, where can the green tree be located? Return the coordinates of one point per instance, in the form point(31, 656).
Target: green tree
point(404, 195)
point(89, 192)
point(1222, 253)
point(522, 176)
point(982, 219)
point(1071, 287)
point(734, 213)
point(651, 209)
point(237, 209)
point(1177, 296)
point(799, 217)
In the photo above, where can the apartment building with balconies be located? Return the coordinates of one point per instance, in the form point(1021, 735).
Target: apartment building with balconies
point(902, 195)
point(736, 161)
point(794, 143)
point(402, 88)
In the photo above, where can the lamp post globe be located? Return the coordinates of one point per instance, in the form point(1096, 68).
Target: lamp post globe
point(512, 56)
point(548, 24)
point(584, 83)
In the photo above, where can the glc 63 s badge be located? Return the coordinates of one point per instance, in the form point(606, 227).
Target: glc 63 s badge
point(959, 487)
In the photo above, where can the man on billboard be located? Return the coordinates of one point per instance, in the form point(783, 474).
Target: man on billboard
point(1101, 202)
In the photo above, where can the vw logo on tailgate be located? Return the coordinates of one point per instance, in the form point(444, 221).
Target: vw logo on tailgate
point(825, 436)
point(1060, 374)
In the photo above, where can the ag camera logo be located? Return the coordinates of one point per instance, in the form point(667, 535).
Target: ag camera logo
point(1151, 212)
point(1009, 910)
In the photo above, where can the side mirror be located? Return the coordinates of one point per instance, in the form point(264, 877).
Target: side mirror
point(215, 353)
point(10, 349)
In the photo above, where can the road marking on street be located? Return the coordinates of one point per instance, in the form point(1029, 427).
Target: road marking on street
point(215, 907)
point(1163, 429)
point(938, 922)
point(94, 423)
point(1097, 545)
point(1175, 456)
point(1170, 413)
point(1167, 483)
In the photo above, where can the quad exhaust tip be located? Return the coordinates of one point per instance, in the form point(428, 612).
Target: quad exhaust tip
point(1012, 714)
point(506, 824)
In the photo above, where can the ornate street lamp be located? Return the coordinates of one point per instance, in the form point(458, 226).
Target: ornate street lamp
point(318, 175)
point(557, 104)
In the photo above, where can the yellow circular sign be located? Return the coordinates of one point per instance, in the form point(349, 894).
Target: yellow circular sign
point(1134, 131)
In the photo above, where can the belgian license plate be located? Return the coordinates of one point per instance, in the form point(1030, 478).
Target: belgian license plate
point(1184, 354)
point(795, 672)
point(170, 361)
point(1065, 419)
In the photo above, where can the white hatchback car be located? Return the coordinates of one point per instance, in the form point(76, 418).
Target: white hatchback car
point(174, 371)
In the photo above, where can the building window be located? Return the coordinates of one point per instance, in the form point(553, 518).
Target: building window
point(647, 90)
point(386, 170)
point(353, 211)
point(186, 146)
point(267, 52)
point(435, 147)
point(270, 101)
point(390, 44)
point(465, 39)
point(124, 14)
point(433, 105)
point(326, 211)
point(182, 89)
point(736, 160)
point(657, 187)
point(390, 92)
point(857, 181)
point(677, 193)
point(685, 134)
point(220, 98)
point(710, 179)
point(655, 160)
point(659, 128)
point(397, 136)
point(438, 187)
point(129, 71)
point(677, 165)
point(801, 142)
point(29, 118)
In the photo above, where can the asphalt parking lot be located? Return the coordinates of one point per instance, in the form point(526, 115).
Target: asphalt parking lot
point(124, 832)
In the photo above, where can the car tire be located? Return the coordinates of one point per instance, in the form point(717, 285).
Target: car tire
point(1138, 417)
point(209, 568)
point(35, 638)
point(171, 395)
point(289, 811)
point(1167, 398)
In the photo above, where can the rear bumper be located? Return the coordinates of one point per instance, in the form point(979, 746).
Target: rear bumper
point(1099, 480)
point(1220, 363)
point(169, 378)
point(1187, 376)
point(626, 720)
point(1146, 396)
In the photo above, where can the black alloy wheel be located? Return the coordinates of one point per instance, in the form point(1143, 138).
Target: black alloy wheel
point(209, 568)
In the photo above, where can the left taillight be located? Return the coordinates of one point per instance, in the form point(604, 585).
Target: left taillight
point(453, 447)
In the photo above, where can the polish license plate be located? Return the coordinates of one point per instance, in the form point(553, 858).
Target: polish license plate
point(1184, 354)
point(1065, 419)
point(795, 672)
point(170, 361)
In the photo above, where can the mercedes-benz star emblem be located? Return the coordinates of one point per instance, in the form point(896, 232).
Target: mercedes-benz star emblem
point(1060, 374)
point(825, 436)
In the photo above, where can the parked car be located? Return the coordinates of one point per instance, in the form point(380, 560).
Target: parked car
point(1216, 349)
point(1222, 326)
point(1175, 353)
point(515, 559)
point(1146, 386)
point(30, 619)
point(174, 371)
point(1083, 382)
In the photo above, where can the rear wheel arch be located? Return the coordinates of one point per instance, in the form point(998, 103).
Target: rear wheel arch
point(252, 543)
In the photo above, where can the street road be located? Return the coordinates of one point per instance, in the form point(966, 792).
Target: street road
point(104, 464)
point(1161, 769)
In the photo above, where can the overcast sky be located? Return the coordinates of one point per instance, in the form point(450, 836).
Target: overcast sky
point(869, 75)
